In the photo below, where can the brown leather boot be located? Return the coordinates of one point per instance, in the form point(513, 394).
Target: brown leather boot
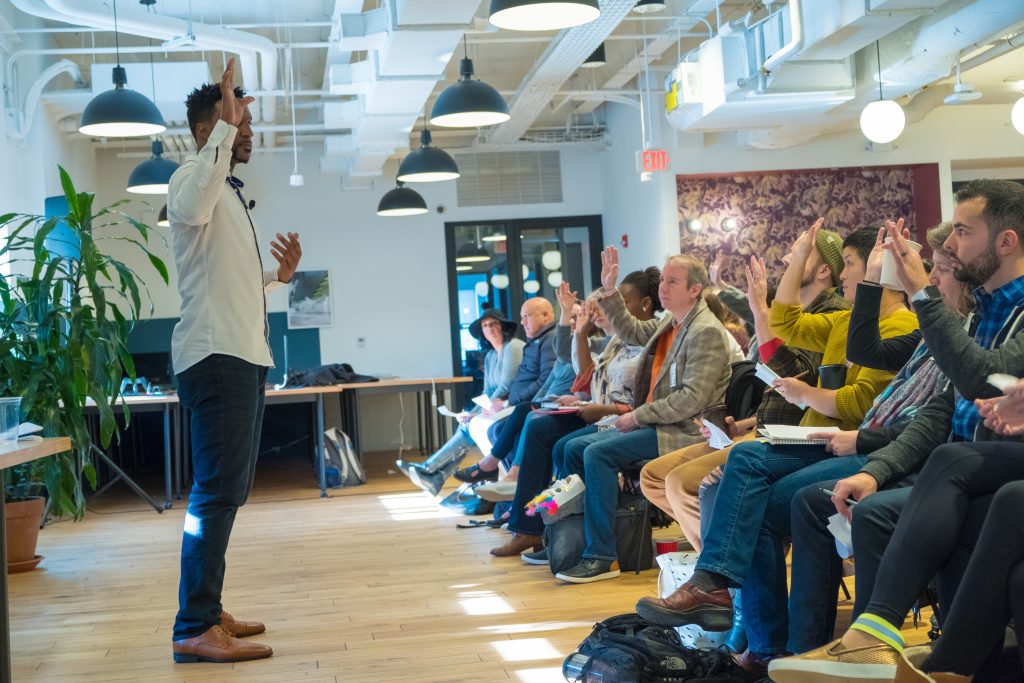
point(712, 610)
point(517, 544)
point(240, 629)
point(217, 645)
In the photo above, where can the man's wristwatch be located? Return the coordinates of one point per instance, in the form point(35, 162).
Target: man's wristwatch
point(925, 293)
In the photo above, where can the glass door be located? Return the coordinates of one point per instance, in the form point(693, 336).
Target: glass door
point(500, 264)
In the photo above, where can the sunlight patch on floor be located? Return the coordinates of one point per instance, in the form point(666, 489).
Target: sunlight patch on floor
point(479, 603)
point(405, 507)
point(526, 650)
point(535, 627)
point(549, 675)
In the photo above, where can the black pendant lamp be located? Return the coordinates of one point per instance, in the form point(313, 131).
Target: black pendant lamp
point(427, 164)
point(542, 15)
point(401, 201)
point(472, 253)
point(120, 113)
point(152, 175)
point(468, 103)
point(161, 219)
point(596, 59)
point(649, 6)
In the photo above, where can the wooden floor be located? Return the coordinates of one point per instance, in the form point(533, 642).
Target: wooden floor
point(372, 584)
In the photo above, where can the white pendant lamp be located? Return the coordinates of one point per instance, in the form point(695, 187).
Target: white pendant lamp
point(542, 15)
point(882, 121)
point(1017, 115)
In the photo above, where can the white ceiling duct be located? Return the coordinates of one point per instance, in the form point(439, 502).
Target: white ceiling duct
point(130, 20)
point(26, 114)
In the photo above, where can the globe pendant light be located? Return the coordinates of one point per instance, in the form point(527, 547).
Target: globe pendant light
point(401, 201)
point(649, 6)
point(161, 219)
point(596, 59)
point(882, 121)
point(468, 103)
point(427, 164)
point(542, 15)
point(120, 113)
point(152, 175)
point(1017, 116)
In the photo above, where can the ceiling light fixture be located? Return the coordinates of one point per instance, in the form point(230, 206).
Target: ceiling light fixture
point(729, 224)
point(694, 225)
point(161, 218)
point(495, 238)
point(962, 92)
point(531, 286)
point(427, 164)
point(401, 201)
point(153, 174)
point(472, 253)
point(649, 6)
point(542, 15)
point(1017, 115)
point(882, 121)
point(468, 103)
point(120, 113)
point(596, 59)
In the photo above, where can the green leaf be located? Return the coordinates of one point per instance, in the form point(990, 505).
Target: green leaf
point(160, 268)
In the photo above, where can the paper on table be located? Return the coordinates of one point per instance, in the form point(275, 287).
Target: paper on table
point(26, 428)
point(719, 439)
point(483, 400)
point(768, 376)
point(444, 410)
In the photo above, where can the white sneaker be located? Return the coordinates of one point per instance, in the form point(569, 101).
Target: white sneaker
point(497, 491)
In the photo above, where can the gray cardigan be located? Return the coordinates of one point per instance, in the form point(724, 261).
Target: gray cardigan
point(967, 366)
point(695, 374)
point(500, 368)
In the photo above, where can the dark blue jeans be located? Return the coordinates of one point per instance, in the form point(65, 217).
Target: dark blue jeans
point(541, 435)
point(505, 433)
point(225, 395)
point(598, 458)
point(765, 594)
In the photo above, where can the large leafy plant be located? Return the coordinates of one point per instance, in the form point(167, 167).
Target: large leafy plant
point(64, 333)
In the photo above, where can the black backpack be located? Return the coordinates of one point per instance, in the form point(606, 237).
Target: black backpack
point(745, 390)
point(629, 649)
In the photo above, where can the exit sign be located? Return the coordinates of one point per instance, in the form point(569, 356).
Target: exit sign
point(651, 161)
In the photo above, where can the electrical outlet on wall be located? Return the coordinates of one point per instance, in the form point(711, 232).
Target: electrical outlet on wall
point(360, 342)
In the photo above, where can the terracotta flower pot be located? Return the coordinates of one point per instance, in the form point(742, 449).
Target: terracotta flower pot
point(22, 533)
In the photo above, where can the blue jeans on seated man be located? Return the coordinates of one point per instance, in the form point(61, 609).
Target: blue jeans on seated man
point(765, 595)
point(543, 437)
point(505, 433)
point(225, 395)
point(598, 458)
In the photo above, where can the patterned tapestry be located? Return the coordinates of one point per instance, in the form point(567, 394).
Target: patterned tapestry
point(771, 209)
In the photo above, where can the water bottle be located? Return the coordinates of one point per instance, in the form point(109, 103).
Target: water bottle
point(572, 668)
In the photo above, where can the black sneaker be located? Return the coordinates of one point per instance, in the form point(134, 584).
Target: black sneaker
point(539, 557)
point(590, 570)
point(474, 475)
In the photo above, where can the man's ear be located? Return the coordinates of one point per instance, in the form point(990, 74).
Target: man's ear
point(824, 272)
point(1008, 242)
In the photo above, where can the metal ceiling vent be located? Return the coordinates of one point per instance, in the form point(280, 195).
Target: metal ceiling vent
point(493, 178)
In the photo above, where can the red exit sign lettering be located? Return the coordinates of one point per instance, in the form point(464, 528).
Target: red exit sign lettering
point(652, 160)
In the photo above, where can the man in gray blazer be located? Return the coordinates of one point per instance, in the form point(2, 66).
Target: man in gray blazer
point(685, 368)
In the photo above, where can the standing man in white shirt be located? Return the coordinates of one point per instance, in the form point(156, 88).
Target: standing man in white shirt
point(221, 354)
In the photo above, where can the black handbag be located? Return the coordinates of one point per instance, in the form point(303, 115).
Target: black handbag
point(566, 539)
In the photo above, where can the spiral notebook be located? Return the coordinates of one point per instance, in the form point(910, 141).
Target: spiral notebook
point(786, 435)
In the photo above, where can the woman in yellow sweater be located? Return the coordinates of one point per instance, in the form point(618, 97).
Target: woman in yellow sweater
point(746, 497)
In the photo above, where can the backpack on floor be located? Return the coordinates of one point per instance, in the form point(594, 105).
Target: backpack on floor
point(566, 539)
point(628, 649)
point(343, 466)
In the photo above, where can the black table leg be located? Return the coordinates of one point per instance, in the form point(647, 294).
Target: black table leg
point(321, 465)
point(167, 457)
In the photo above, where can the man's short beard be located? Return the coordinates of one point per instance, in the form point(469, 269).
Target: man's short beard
point(980, 270)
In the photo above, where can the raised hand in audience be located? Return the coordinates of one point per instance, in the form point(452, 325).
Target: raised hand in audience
point(909, 266)
point(858, 487)
point(757, 286)
point(609, 269)
point(873, 268)
point(838, 443)
point(566, 300)
point(715, 269)
point(1004, 414)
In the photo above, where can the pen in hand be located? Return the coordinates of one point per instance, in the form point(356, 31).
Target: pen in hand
point(849, 501)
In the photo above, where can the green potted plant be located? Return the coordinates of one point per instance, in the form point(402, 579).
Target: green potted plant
point(64, 332)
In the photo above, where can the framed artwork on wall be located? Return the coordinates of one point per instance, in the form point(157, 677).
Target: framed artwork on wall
point(309, 300)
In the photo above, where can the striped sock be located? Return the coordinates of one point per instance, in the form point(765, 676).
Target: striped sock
point(879, 628)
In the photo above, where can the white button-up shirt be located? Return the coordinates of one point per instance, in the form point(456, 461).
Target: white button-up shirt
point(220, 272)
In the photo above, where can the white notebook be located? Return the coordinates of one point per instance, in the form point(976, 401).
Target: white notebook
point(789, 435)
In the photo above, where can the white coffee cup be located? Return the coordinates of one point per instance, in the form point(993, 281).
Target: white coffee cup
point(888, 277)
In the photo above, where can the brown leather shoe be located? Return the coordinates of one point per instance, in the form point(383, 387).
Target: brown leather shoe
point(689, 605)
point(240, 629)
point(217, 645)
point(517, 544)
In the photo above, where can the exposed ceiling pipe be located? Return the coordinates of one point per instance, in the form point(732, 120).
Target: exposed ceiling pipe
point(796, 42)
point(26, 115)
point(246, 45)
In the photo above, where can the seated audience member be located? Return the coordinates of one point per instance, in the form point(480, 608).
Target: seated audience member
point(671, 482)
point(816, 568)
point(538, 357)
point(610, 391)
point(753, 467)
point(986, 243)
point(739, 338)
point(685, 368)
point(733, 298)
